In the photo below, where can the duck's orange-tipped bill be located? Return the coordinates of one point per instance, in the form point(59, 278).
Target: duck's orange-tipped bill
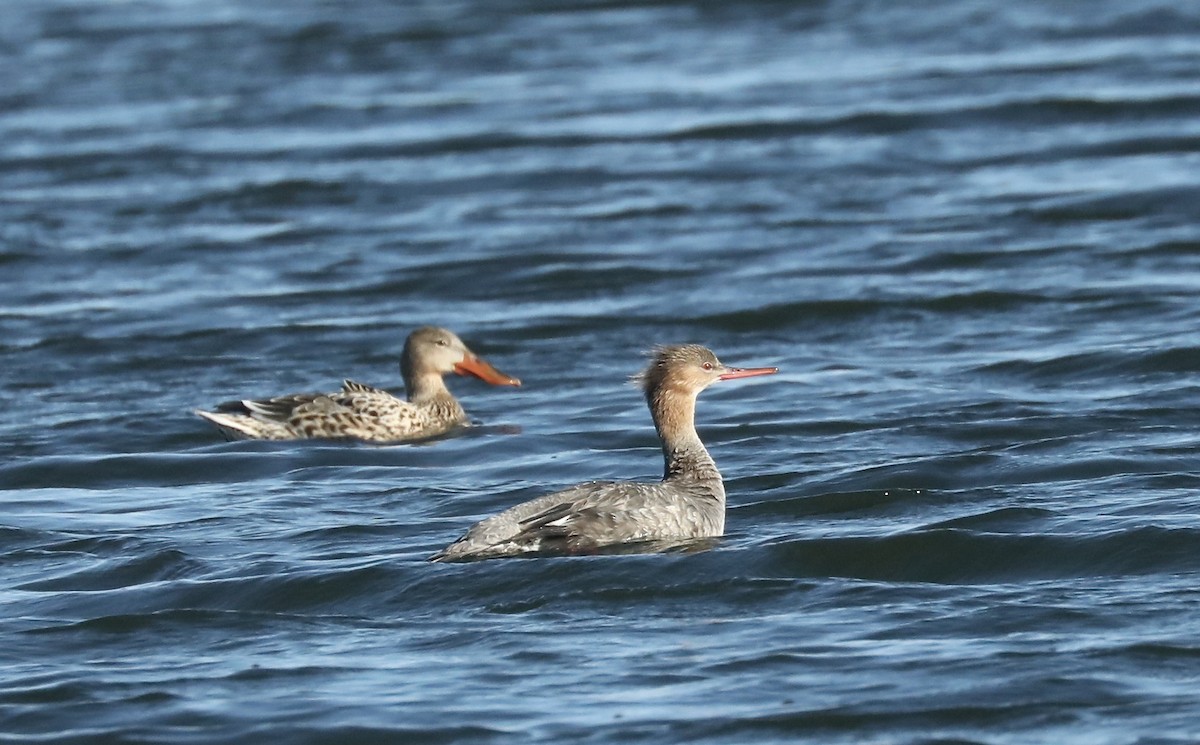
point(747, 372)
point(472, 365)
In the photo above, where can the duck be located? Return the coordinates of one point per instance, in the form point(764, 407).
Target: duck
point(362, 412)
point(688, 503)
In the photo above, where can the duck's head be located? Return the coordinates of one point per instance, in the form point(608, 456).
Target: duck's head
point(433, 350)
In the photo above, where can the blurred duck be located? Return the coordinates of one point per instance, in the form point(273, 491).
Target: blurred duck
point(688, 503)
point(365, 413)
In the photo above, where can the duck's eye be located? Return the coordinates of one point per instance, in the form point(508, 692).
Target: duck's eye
point(707, 365)
point(443, 343)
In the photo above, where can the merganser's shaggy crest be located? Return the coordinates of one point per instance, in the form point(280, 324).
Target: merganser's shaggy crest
point(688, 503)
point(365, 413)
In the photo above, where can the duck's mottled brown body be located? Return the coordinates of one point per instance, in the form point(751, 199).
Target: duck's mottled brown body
point(362, 412)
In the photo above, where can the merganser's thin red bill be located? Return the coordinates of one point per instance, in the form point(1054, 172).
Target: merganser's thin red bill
point(747, 372)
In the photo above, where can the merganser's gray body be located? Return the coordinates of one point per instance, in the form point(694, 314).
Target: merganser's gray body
point(688, 503)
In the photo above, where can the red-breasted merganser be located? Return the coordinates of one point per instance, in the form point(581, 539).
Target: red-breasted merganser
point(688, 503)
point(365, 413)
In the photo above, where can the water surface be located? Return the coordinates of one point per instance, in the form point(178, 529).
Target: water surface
point(964, 511)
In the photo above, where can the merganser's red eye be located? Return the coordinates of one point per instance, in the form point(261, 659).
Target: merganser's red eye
point(707, 365)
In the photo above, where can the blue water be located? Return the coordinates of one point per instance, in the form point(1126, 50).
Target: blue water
point(967, 509)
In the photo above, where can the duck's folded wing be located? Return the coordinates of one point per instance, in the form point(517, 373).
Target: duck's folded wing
point(279, 408)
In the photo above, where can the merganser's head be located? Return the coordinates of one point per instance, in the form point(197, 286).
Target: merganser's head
point(433, 350)
point(690, 368)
